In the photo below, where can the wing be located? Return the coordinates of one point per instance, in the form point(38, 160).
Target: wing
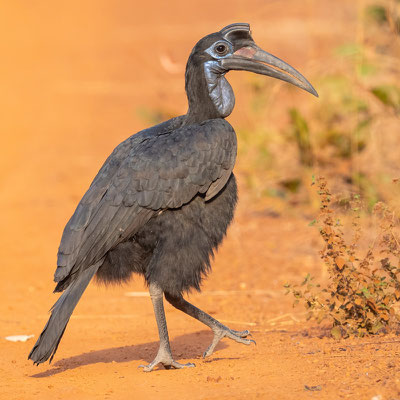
point(150, 171)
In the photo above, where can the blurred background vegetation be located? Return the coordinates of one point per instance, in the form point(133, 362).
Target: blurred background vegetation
point(351, 135)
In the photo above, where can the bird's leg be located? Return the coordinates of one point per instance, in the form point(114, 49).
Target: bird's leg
point(219, 329)
point(164, 355)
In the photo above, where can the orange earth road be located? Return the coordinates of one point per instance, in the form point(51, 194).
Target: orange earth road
point(75, 78)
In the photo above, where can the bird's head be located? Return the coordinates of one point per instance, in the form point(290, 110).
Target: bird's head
point(233, 48)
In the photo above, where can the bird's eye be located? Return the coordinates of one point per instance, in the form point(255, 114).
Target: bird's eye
point(221, 49)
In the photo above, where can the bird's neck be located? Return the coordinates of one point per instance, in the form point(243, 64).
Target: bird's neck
point(209, 93)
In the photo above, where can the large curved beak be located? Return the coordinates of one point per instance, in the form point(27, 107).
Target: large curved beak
point(252, 58)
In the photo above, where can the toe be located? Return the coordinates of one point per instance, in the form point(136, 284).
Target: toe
point(238, 338)
point(169, 364)
point(177, 365)
point(242, 334)
point(147, 368)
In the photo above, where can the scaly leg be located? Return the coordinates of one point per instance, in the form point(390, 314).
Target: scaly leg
point(219, 329)
point(164, 355)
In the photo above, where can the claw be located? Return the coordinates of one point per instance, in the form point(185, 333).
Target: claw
point(238, 336)
point(242, 334)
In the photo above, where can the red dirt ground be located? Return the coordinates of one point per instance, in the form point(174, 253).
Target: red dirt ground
point(73, 76)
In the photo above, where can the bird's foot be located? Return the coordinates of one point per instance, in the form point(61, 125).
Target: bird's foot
point(223, 331)
point(165, 358)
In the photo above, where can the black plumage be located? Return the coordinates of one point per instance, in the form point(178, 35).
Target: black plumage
point(163, 200)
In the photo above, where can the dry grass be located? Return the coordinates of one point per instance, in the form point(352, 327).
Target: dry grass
point(362, 290)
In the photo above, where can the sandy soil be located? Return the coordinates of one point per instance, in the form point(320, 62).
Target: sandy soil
point(75, 81)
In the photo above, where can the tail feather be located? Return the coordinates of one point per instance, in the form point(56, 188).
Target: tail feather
point(49, 339)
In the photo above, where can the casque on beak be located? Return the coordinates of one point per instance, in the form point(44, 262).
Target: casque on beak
point(252, 58)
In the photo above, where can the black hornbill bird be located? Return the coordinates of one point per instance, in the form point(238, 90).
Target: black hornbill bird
point(162, 202)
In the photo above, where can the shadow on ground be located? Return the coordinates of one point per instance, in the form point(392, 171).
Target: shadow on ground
point(188, 346)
